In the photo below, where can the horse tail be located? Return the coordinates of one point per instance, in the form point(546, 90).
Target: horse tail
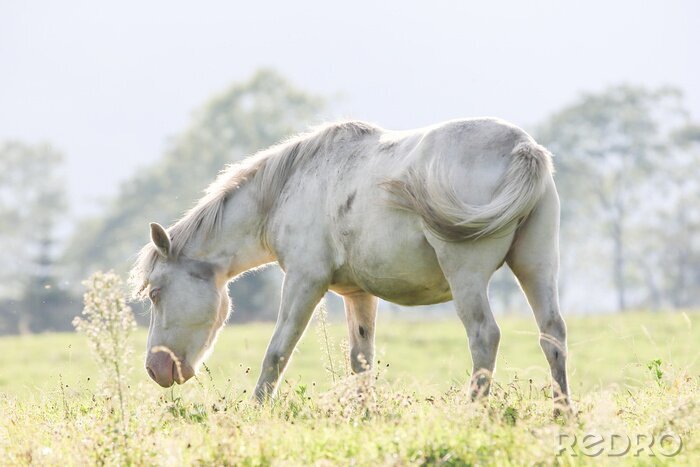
point(431, 196)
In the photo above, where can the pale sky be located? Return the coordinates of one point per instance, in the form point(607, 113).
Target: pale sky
point(109, 84)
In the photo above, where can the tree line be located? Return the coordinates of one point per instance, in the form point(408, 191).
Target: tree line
point(627, 161)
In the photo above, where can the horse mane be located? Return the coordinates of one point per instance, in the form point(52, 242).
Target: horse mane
point(269, 169)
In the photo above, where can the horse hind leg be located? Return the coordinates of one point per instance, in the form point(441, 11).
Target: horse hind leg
point(534, 259)
point(468, 267)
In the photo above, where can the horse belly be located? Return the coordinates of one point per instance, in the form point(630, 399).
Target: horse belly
point(395, 263)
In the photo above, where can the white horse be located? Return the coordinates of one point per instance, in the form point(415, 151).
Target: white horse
point(414, 217)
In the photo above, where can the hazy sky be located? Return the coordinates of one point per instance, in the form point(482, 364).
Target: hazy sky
point(108, 84)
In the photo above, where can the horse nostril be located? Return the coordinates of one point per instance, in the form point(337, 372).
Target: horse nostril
point(150, 373)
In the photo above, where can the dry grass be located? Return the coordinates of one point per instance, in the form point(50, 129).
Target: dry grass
point(359, 421)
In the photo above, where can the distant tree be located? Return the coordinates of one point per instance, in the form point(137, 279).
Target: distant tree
point(677, 270)
point(246, 117)
point(609, 145)
point(32, 202)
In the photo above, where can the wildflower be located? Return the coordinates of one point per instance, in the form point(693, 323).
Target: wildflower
point(107, 322)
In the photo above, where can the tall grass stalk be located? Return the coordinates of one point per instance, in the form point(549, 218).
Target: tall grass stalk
point(322, 331)
point(108, 323)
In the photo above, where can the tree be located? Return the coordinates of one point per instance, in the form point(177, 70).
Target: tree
point(609, 144)
point(244, 118)
point(32, 202)
point(678, 267)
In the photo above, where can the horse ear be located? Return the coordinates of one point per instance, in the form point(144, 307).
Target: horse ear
point(160, 239)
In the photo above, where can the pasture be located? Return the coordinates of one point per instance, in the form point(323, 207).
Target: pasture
point(631, 374)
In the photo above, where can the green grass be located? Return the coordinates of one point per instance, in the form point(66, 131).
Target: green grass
point(604, 350)
point(415, 411)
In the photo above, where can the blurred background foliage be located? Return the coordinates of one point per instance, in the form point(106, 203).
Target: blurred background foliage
point(627, 160)
point(246, 117)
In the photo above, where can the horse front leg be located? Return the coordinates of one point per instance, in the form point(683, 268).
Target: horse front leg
point(300, 295)
point(361, 314)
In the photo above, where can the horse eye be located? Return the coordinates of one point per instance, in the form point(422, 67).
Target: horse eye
point(154, 294)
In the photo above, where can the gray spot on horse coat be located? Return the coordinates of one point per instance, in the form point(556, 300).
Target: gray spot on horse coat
point(198, 269)
point(345, 207)
point(388, 145)
point(362, 331)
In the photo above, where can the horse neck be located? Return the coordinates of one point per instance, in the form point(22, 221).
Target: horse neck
point(238, 246)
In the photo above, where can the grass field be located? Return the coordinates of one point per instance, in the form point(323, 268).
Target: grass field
point(413, 410)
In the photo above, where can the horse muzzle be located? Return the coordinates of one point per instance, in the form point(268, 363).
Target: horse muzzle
point(165, 368)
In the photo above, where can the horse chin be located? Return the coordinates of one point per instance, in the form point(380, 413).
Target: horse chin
point(186, 373)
